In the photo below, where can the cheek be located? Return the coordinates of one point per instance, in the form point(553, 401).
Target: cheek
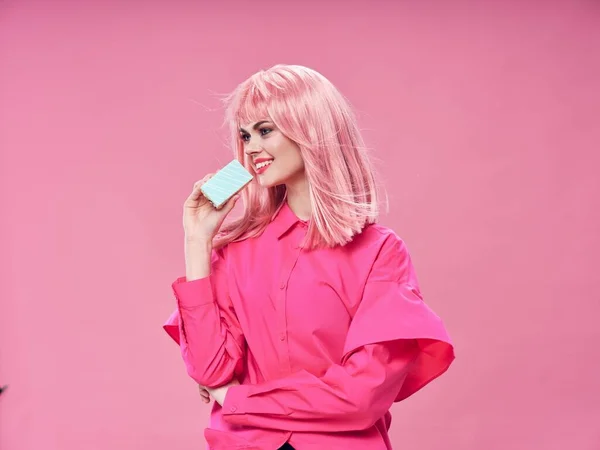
point(298, 157)
point(285, 151)
point(298, 164)
point(276, 147)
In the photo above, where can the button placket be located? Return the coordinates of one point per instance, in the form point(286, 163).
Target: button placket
point(285, 275)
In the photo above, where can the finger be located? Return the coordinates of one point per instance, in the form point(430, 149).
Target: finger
point(197, 189)
point(207, 177)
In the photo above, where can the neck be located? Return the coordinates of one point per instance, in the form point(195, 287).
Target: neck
point(298, 198)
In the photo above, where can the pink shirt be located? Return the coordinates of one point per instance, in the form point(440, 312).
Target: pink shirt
point(323, 341)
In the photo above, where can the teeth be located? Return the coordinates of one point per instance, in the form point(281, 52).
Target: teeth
point(263, 164)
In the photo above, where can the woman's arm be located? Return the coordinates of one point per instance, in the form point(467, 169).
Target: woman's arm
point(206, 327)
point(347, 397)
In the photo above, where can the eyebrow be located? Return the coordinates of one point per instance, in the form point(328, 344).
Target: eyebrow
point(255, 126)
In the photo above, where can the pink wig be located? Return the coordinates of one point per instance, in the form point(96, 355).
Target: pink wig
point(308, 109)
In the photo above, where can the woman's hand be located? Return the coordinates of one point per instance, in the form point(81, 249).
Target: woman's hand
point(204, 394)
point(201, 220)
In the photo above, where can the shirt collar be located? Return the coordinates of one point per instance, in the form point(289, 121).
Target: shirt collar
point(284, 219)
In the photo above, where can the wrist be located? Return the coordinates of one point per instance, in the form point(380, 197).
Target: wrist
point(198, 242)
point(220, 393)
point(197, 259)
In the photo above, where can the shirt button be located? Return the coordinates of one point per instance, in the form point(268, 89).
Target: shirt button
point(233, 409)
point(282, 337)
point(282, 286)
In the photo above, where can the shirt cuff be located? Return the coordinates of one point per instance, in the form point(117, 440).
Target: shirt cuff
point(233, 411)
point(191, 294)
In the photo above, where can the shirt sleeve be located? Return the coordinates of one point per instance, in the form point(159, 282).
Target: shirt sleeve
point(393, 309)
point(347, 397)
point(395, 346)
point(205, 326)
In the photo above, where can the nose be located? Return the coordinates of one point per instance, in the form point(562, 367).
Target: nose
point(252, 149)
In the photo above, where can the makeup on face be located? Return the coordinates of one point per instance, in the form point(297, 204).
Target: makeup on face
point(274, 158)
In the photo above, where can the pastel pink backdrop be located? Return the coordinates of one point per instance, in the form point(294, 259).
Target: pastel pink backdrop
point(483, 116)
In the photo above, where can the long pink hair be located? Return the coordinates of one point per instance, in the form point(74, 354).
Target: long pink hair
point(308, 109)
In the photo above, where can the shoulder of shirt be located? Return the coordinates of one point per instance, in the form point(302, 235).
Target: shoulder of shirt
point(379, 233)
point(383, 244)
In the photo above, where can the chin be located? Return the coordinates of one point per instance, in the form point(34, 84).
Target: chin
point(268, 181)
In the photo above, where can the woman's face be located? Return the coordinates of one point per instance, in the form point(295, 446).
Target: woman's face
point(275, 158)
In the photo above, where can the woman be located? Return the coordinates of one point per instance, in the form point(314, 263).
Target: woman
point(303, 319)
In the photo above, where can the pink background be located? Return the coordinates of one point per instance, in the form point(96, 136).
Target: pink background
point(484, 117)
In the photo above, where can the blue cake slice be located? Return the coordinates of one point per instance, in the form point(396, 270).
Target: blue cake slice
point(226, 183)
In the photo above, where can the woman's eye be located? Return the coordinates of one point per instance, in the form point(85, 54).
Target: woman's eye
point(264, 131)
point(245, 137)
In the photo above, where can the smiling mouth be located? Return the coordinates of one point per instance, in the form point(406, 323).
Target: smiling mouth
point(262, 166)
